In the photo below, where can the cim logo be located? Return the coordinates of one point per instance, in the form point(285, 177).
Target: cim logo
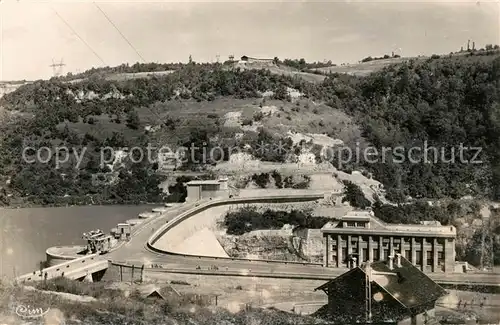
point(29, 312)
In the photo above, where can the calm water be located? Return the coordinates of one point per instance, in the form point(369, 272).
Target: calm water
point(27, 233)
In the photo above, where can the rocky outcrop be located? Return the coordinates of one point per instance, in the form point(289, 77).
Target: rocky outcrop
point(262, 244)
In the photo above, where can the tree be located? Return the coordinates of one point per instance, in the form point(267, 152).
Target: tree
point(354, 195)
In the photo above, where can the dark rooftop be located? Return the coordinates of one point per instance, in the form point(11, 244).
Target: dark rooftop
point(410, 286)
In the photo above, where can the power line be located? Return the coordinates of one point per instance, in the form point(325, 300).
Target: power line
point(81, 39)
point(118, 30)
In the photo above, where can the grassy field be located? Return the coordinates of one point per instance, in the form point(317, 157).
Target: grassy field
point(302, 115)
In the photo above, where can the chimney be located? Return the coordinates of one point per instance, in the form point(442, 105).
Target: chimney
point(391, 262)
point(398, 260)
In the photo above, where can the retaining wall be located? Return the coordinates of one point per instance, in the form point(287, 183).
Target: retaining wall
point(61, 254)
point(61, 269)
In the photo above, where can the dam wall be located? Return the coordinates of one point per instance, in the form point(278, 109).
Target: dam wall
point(172, 238)
point(179, 239)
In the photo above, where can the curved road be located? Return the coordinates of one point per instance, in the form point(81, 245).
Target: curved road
point(135, 251)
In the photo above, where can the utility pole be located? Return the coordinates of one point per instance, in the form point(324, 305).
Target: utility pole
point(57, 67)
point(368, 293)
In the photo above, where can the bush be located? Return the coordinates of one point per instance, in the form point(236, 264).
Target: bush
point(258, 116)
point(354, 195)
point(248, 219)
point(262, 180)
point(96, 290)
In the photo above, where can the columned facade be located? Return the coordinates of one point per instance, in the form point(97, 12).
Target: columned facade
point(360, 237)
point(429, 254)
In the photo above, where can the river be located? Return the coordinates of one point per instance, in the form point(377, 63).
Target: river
point(26, 233)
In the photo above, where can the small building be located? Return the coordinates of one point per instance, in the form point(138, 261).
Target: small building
point(248, 59)
point(387, 292)
point(123, 230)
point(361, 237)
point(207, 189)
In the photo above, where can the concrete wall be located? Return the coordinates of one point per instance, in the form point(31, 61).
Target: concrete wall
point(62, 269)
point(193, 193)
point(171, 240)
point(123, 272)
point(54, 260)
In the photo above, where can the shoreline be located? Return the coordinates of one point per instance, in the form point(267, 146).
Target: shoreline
point(32, 206)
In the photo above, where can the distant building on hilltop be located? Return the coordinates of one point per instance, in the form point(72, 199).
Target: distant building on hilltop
point(390, 292)
point(247, 59)
point(360, 237)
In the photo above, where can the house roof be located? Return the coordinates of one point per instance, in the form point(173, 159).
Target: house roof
point(153, 290)
point(410, 286)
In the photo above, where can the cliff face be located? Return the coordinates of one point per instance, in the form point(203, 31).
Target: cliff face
point(274, 245)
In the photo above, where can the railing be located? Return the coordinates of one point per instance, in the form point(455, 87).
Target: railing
point(60, 269)
point(207, 205)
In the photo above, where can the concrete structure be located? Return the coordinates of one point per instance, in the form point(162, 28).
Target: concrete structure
point(134, 222)
point(392, 291)
point(208, 189)
point(359, 237)
point(76, 269)
point(61, 254)
point(124, 230)
point(136, 253)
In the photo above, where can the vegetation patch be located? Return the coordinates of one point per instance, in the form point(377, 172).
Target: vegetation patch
point(248, 219)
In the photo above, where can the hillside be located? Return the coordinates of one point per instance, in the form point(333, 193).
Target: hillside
point(443, 101)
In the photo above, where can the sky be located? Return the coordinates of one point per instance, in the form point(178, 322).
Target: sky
point(34, 33)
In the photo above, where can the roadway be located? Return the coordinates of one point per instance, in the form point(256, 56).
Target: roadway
point(135, 252)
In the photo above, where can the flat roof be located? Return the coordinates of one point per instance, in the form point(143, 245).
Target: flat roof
point(206, 182)
point(355, 218)
point(387, 232)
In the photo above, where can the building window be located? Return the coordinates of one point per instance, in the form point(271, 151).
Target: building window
point(375, 254)
point(334, 248)
point(361, 224)
point(429, 258)
point(407, 254)
point(418, 260)
point(385, 254)
point(365, 254)
point(350, 224)
point(440, 258)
